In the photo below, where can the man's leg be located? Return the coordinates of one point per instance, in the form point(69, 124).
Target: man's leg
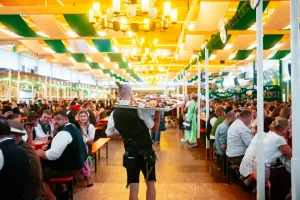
point(134, 191)
point(151, 192)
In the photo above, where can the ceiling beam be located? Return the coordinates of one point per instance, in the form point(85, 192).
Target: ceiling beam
point(239, 32)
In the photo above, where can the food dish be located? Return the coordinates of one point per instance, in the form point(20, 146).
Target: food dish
point(155, 104)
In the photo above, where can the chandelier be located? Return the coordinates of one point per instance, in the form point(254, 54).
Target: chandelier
point(133, 15)
point(144, 51)
point(150, 70)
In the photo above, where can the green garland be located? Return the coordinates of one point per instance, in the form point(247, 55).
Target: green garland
point(215, 38)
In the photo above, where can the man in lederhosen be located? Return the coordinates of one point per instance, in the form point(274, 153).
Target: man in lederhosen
point(133, 125)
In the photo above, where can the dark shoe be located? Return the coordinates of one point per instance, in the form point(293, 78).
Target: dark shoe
point(90, 185)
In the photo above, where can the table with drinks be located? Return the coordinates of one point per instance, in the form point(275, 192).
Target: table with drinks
point(40, 143)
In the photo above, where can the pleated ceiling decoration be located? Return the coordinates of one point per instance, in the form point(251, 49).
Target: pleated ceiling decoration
point(17, 25)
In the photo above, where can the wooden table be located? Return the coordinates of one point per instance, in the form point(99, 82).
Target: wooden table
point(96, 148)
point(104, 120)
point(99, 127)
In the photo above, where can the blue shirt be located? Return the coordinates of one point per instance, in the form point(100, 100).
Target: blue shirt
point(221, 137)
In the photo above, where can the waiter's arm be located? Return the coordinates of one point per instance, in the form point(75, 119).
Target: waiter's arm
point(111, 131)
point(156, 121)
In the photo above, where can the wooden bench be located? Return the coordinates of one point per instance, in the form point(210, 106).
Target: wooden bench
point(67, 180)
point(266, 183)
point(96, 148)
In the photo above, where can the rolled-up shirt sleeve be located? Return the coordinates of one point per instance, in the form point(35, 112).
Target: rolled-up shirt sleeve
point(111, 130)
point(247, 137)
point(223, 135)
point(58, 145)
point(146, 117)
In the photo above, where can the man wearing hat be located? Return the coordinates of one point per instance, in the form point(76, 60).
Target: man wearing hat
point(35, 170)
point(14, 166)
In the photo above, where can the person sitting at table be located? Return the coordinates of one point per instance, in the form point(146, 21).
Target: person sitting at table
point(92, 118)
point(221, 133)
point(65, 154)
point(14, 166)
point(44, 127)
point(35, 169)
point(239, 137)
point(31, 124)
point(88, 131)
point(220, 112)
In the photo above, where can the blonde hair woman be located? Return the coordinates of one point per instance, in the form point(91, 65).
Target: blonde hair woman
point(275, 144)
point(191, 116)
point(88, 131)
point(285, 112)
point(275, 113)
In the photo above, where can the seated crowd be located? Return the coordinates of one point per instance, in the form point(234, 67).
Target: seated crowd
point(46, 146)
point(233, 127)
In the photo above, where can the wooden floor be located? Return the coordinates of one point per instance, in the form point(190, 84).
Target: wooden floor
point(182, 173)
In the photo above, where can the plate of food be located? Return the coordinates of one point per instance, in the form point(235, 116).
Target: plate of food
point(155, 104)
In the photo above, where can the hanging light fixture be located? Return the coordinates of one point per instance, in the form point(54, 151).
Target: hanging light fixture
point(116, 7)
point(133, 11)
point(145, 6)
point(167, 9)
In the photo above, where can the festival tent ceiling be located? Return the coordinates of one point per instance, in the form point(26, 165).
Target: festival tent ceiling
point(59, 32)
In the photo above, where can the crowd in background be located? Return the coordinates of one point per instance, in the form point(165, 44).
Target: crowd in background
point(73, 125)
point(232, 127)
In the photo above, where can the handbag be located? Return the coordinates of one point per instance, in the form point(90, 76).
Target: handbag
point(162, 126)
point(187, 125)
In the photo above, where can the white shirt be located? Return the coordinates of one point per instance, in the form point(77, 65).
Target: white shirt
point(143, 115)
point(91, 131)
point(239, 137)
point(247, 163)
point(212, 121)
point(1, 154)
point(272, 142)
point(39, 133)
point(59, 144)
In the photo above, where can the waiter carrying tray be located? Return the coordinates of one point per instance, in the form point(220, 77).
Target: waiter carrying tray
point(133, 125)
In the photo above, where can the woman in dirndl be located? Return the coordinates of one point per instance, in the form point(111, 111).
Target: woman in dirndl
point(191, 116)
